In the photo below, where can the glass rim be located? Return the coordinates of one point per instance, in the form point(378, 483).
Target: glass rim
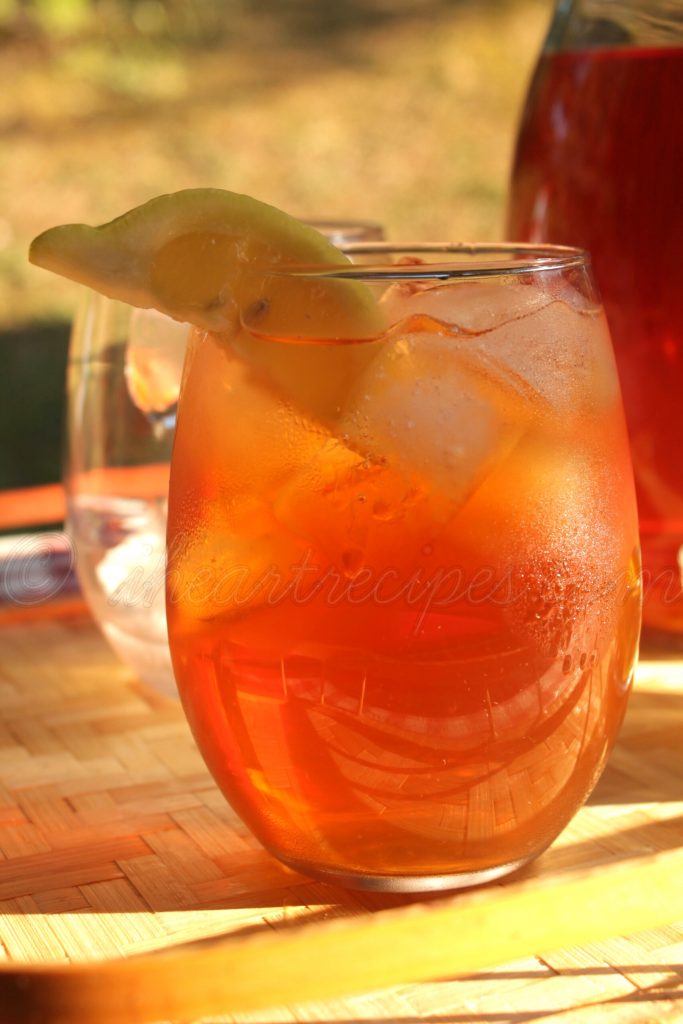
point(476, 260)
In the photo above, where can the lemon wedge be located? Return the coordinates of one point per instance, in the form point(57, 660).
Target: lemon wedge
point(210, 258)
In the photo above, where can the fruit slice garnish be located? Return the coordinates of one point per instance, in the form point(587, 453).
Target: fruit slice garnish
point(206, 256)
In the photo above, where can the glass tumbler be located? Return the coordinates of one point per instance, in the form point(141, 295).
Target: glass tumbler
point(123, 381)
point(403, 586)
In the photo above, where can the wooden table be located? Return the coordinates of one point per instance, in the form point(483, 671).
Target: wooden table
point(114, 841)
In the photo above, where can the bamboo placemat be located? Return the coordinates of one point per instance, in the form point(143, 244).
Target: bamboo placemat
point(114, 841)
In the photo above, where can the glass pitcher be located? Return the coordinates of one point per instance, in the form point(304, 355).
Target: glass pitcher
point(599, 164)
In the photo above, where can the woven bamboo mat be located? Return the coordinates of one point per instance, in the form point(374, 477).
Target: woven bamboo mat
point(114, 841)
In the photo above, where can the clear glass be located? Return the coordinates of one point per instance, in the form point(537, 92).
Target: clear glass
point(403, 585)
point(116, 480)
point(597, 165)
point(123, 382)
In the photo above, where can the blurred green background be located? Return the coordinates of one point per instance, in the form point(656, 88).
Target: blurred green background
point(400, 111)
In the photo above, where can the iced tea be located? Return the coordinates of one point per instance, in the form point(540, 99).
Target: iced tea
point(403, 585)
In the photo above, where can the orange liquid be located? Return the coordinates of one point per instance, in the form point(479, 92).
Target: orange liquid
point(384, 685)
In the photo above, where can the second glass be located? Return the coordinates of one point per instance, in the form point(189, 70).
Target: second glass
point(403, 581)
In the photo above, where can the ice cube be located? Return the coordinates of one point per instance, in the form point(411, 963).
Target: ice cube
point(238, 434)
point(566, 570)
point(237, 444)
point(428, 405)
point(556, 340)
point(154, 360)
point(553, 517)
point(561, 349)
point(463, 306)
point(355, 510)
point(236, 558)
point(132, 574)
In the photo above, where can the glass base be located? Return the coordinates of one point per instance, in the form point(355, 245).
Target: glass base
point(405, 883)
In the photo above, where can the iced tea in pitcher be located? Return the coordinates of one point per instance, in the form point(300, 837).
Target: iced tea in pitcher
point(598, 165)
